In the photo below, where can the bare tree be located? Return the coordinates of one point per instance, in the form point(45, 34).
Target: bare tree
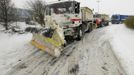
point(7, 12)
point(38, 11)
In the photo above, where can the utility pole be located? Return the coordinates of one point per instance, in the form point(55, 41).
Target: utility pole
point(98, 1)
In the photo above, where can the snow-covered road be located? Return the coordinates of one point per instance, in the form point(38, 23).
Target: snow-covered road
point(91, 56)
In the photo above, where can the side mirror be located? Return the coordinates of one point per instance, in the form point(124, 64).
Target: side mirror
point(77, 8)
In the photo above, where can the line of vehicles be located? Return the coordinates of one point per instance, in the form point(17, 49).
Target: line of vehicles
point(65, 21)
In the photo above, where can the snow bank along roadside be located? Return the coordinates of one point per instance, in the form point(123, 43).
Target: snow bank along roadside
point(122, 42)
point(12, 48)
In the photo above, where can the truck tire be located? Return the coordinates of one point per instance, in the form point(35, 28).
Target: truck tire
point(80, 34)
point(89, 28)
point(107, 23)
point(69, 39)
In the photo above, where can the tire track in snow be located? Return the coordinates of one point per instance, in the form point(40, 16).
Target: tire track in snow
point(38, 59)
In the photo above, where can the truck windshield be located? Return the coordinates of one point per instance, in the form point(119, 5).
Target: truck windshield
point(97, 16)
point(114, 17)
point(62, 7)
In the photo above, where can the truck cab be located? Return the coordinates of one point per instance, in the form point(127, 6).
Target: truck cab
point(117, 19)
point(65, 14)
point(69, 16)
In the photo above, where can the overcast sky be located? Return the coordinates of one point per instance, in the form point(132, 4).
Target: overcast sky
point(106, 6)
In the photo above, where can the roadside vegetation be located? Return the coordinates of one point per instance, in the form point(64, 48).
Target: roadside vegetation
point(130, 22)
point(7, 13)
point(38, 11)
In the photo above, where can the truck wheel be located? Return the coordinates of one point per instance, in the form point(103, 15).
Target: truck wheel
point(69, 39)
point(107, 23)
point(80, 34)
point(89, 28)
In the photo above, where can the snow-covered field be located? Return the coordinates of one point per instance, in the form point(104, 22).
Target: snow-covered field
point(20, 25)
point(12, 49)
point(93, 55)
point(23, 25)
point(122, 40)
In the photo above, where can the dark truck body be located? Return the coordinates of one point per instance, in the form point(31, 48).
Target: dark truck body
point(118, 19)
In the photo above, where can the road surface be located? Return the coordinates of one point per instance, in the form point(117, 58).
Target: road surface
point(93, 55)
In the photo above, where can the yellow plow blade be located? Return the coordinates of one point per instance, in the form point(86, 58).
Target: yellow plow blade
point(54, 52)
point(52, 45)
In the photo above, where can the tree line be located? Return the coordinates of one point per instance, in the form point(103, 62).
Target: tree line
point(9, 14)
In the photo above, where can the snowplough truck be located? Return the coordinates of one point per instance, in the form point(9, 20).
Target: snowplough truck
point(63, 19)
